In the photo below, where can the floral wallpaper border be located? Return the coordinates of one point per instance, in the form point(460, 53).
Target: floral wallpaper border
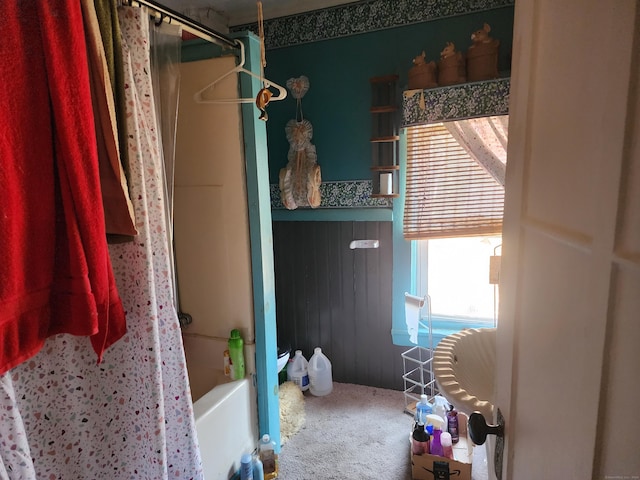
point(361, 17)
point(457, 102)
point(345, 194)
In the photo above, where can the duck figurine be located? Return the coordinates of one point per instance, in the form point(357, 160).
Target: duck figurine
point(262, 100)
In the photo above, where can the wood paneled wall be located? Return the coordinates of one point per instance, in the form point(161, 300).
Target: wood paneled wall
point(339, 299)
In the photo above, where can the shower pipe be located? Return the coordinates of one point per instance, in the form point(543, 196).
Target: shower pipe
point(188, 24)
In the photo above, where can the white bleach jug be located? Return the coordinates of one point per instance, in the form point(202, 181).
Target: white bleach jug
point(320, 378)
point(297, 371)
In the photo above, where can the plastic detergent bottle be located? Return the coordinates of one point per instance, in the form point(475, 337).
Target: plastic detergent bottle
point(246, 467)
point(268, 457)
point(236, 355)
point(423, 408)
point(320, 377)
point(297, 371)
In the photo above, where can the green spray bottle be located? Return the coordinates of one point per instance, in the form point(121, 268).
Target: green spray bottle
point(236, 355)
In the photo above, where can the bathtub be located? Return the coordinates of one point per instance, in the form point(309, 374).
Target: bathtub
point(227, 426)
point(226, 412)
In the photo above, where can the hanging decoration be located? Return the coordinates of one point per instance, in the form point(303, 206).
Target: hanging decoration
point(264, 95)
point(300, 180)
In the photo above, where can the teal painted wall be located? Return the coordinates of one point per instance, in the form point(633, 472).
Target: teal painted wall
point(338, 101)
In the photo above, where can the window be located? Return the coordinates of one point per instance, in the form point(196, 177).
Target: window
point(453, 208)
point(455, 272)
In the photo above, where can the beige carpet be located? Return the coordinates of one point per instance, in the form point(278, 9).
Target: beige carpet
point(355, 432)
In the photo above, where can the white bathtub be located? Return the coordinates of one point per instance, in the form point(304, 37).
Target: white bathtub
point(227, 426)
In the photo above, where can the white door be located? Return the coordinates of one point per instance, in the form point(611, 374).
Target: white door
point(569, 330)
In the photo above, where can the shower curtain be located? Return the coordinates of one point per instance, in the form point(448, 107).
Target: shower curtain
point(166, 43)
point(62, 416)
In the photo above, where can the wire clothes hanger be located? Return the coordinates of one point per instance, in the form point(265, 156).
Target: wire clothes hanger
point(198, 97)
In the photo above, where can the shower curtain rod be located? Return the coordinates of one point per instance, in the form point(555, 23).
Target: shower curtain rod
point(189, 25)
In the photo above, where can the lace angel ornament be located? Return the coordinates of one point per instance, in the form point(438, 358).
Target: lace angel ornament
point(300, 180)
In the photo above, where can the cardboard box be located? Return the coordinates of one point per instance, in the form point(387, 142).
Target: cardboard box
point(432, 467)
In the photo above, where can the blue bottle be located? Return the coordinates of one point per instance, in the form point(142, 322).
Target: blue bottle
point(246, 467)
point(258, 469)
point(422, 410)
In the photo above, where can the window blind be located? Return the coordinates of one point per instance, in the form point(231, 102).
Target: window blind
point(448, 194)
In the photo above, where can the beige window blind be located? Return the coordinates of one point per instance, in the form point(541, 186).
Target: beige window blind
point(448, 194)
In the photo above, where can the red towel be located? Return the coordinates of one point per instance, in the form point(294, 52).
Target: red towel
point(55, 274)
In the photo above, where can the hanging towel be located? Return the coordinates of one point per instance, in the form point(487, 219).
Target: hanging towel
point(412, 306)
point(107, 13)
point(56, 274)
point(118, 210)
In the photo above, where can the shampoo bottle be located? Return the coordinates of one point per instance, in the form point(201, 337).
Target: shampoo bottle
point(452, 424)
point(236, 355)
point(246, 467)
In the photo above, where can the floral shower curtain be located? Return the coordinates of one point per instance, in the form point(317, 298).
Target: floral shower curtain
point(64, 416)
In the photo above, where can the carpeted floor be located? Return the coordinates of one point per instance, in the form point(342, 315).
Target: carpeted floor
point(356, 432)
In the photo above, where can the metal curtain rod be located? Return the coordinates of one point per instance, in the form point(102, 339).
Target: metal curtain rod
point(190, 25)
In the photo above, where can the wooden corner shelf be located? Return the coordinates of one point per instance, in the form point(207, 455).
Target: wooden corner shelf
point(385, 168)
point(384, 109)
point(383, 195)
point(390, 138)
point(385, 165)
point(385, 79)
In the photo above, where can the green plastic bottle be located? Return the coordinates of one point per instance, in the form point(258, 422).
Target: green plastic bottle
point(236, 355)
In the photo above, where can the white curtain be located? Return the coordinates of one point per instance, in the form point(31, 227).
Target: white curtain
point(64, 416)
point(485, 140)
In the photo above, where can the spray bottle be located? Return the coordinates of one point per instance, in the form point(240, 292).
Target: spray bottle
point(435, 445)
point(440, 408)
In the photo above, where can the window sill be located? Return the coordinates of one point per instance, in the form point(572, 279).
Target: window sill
point(441, 327)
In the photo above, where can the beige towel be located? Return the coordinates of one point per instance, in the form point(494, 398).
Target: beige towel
point(118, 210)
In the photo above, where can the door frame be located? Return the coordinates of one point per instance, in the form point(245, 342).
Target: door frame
point(261, 242)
